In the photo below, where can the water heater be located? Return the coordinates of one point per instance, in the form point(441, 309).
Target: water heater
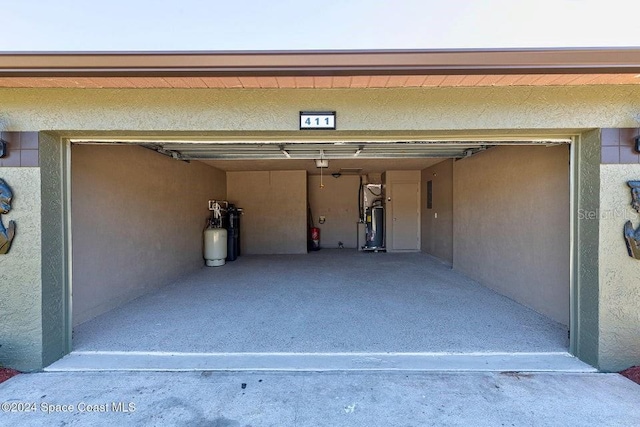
point(374, 228)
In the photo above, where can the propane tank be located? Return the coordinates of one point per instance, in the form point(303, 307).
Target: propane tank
point(215, 246)
point(315, 238)
point(215, 237)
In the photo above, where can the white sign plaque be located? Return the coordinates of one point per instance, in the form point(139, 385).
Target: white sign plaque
point(317, 120)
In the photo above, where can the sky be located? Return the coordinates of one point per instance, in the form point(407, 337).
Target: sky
point(161, 25)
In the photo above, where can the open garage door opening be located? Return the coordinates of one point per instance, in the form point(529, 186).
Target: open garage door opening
point(474, 256)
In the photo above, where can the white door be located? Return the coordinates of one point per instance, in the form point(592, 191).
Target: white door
point(406, 220)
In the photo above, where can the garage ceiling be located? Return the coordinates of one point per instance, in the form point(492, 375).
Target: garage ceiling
point(350, 156)
point(342, 166)
point(316, 150)
point(352, 150)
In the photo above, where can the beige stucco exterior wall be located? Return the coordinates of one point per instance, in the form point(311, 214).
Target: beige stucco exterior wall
point(437, 232)
point(274, 220)
point(20, 274)
point(511, 224)
point(413, 109)
point(619, 274)
point(137, 222)
point(387, 112)
point(338, 202)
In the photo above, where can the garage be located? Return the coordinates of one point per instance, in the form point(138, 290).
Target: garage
point(508, 172)
point(474, 257)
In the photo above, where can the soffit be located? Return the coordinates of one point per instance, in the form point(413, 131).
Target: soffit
point(321, 82)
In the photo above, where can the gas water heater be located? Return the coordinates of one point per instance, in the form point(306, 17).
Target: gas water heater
point(374, 227)
point(371, 203)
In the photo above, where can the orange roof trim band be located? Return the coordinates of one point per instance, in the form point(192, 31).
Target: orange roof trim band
point(321, 63)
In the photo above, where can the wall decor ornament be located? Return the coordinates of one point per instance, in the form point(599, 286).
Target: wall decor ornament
point(6, 234)
point(631, 235)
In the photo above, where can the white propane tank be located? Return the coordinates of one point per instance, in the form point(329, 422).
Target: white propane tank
point(215, 246)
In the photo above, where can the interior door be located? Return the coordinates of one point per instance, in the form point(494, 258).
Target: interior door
point(405, 199)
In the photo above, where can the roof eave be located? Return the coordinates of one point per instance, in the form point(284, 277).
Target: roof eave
point(321, 63)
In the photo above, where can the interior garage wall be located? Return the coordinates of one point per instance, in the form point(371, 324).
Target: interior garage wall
point(511, 224)
point(338, 202)
point(137, 222)
point(275, 210)
point(437, 222)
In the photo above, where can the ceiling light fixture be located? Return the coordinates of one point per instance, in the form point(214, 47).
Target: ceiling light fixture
point(322, 162)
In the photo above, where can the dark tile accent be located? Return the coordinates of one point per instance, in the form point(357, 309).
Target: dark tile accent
point(628, 135)
point(22, 149)
point(13, 139)
point(618, 146)
point(29, 158)
point(29, 141)
point(610, 155)
point(12, 159)
point(628, 154)
point(610, 136)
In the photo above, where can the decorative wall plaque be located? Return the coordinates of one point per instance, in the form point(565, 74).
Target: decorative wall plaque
point(6, 234)
point(631, 235)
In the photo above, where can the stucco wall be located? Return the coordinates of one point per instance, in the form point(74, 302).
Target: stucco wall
point(275, 210)
point(586, 328)
point(619, 273)
point(137, 222)
point(437, 232)
point(512, 224)
point(56, 335)
point(20, 274)
point(411, 109)
point(338, 202)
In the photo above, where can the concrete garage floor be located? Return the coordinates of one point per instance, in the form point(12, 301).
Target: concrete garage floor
point(327, 301)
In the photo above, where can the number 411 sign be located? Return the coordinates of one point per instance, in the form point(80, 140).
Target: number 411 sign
point(317, 120)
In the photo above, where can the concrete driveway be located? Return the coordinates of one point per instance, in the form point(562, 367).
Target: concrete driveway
point(319, 399)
